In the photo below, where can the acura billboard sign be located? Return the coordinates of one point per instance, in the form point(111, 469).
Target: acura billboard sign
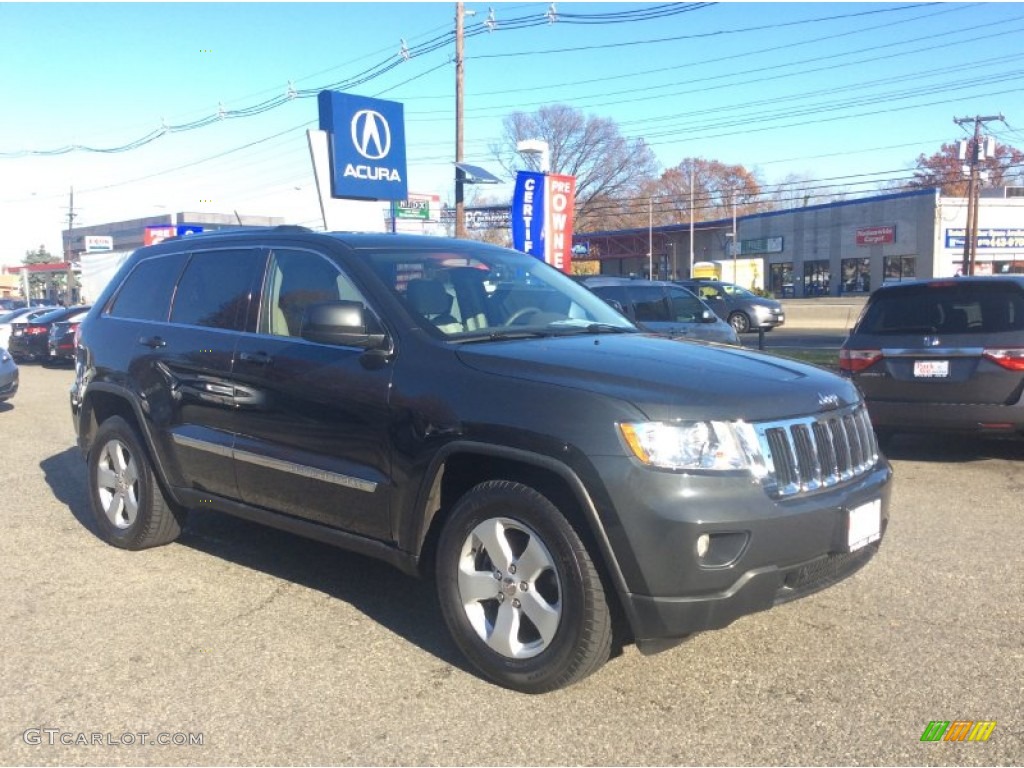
point(367, 146)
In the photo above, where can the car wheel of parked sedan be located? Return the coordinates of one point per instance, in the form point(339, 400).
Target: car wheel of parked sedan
point(131, 509)
point(740, 322)
point(519, 591)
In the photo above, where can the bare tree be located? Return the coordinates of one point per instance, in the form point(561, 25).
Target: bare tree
point(609, 167)
point(944, 169)
point(716, 186)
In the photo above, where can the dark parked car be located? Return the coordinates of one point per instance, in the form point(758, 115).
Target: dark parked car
point(61, 342)
point(742, 308)
point(30, 338)
point(663, 307)
point(942, 355)
point(467, 412)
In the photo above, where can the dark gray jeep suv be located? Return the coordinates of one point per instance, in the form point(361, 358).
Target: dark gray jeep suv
point(465, 411)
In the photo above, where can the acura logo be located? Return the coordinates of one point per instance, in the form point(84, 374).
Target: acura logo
point(371, 134)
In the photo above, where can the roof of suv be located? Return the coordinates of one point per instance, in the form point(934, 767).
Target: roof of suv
point(961, 280)
point(352, 239)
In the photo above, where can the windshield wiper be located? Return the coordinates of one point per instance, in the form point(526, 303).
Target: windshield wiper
point(504, 335)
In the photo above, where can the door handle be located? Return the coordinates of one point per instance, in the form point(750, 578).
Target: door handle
point(257, 358)
point(153, 342)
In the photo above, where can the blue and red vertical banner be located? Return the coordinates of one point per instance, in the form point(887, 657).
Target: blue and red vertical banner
point(542, 217)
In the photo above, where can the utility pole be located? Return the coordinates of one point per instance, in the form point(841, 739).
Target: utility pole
point(68, 250)
point(974, 157)
point(460, 175)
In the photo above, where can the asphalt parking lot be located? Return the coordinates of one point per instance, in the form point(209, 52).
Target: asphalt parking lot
point(273, 650)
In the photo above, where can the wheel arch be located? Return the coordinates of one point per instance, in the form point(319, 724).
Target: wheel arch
point(463, 465)
point(101, 402)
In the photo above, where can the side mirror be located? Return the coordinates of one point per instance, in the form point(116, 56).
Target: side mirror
point(341, 323)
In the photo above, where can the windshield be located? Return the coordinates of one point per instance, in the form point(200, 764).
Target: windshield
point(484, 292)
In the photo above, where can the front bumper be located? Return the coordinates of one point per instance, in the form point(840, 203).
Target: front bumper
point(764, 551)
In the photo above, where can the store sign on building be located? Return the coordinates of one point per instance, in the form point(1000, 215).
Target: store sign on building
point(366, 142)
point(761, 245)
point(98, 243)
point(158, 234)
point(877, 235)
point(1012, 237)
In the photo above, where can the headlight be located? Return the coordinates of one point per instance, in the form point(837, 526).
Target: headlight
point(707, 445)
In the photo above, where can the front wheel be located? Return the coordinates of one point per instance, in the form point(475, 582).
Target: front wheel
point(740, 322)
point(130, 508)
point(519, 591)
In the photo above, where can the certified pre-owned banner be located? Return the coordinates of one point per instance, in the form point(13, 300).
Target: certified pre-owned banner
point(542, 210)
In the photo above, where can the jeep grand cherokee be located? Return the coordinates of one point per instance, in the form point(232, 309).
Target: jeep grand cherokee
point(467, 412)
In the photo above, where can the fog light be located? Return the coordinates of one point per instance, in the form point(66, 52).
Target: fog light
point(703, 543)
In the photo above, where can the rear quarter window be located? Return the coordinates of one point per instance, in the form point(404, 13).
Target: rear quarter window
point(146, 292)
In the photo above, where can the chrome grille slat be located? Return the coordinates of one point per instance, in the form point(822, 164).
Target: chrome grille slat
point(806, 454)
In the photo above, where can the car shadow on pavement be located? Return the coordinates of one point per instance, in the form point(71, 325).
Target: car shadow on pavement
point(65, 474)
point(405, 605)
point(952, 448)
point(5, 406)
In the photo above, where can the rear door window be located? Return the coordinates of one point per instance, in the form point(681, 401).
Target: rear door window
point(649, 304)
point(214, 290)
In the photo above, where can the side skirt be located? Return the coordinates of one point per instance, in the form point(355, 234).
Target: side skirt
point(380, 550)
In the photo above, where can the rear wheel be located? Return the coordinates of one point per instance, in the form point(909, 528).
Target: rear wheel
point(519, 591)
point(130, 508)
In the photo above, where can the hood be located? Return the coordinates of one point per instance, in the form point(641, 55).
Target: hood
point(668, 378)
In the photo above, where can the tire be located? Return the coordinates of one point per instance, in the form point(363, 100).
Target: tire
point(547, 626)
point(740, 322)
point(130, 508)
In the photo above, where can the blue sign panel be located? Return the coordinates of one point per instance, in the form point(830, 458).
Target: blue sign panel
point(184, 230)
point(528, 213)
point(367, 146)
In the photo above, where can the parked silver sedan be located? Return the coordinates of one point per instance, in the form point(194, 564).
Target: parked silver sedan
point(664, 308)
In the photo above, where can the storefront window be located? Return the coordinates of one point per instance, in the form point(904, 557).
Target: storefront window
point(780, 278)
point(900, 268)
point(816, 278)
point(856, 276)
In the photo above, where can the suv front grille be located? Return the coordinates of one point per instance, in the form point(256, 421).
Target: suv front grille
point(821, 451)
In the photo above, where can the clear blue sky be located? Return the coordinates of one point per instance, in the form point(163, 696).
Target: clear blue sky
point(848, 93)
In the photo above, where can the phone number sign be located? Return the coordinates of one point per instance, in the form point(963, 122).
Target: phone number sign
point(987, 238)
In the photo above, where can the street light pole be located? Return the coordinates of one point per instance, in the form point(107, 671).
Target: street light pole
point(650, 238)
point(735, 242)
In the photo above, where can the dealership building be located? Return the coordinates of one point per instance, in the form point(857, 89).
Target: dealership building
point(846, 247)
point(134, 233)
